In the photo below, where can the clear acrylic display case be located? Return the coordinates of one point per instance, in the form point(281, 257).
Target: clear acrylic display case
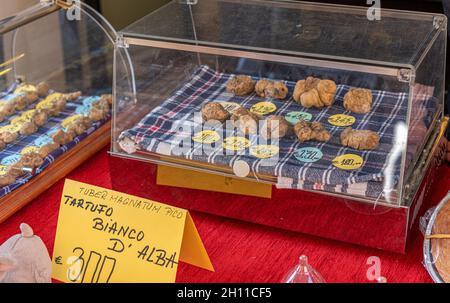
point(182, 55)
point(69, 47)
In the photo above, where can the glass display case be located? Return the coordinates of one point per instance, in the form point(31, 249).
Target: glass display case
point(305, 96)
point(56, 68)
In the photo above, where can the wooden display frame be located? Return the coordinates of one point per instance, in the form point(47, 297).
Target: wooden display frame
point(16, 200)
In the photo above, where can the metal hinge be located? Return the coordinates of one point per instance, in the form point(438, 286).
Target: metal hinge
point(439, 22)
point(188, 2)
point(61, 3)
point(405, 75)
point(121, 42)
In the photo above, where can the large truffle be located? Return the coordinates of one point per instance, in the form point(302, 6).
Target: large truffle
point(306, 131)
point(241, 85)
point(314, 92)
point(9, 137)
point(28, 128)
point(360, 139)
point(271, 89)
point(42, 89)
point(358, 100)
point(214, 111)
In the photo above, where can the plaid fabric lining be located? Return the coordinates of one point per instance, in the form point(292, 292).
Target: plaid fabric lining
point(162, 128)
point(12, 152)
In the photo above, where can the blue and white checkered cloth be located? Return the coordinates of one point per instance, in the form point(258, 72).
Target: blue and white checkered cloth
point(160, 129)
point(12, 152)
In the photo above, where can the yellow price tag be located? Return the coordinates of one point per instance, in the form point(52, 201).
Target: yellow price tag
point(48, 102)
point(3, 170)
point(70, 120)
point(236, 143)
point(104, 236)
point(207, 137)
point(348, 162)
point(30, 150)
point(264, 151)
point(25, 88)
point(19, 121)
point(28, 115)
point(263, 108)
point(341, 120)
point(12, 128)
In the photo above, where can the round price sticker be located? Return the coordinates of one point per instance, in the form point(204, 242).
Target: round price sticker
point(3, 170)
point(308, 154)
point(341, 120)
point(12, 128)
point(230, 107)
point(236, 143)
point(68, 121)
point(28, 114)
point(19, 121)
point(48, 102)
point(264, 151)
point(26, 88)
point(295, 117)
point(263, 108)
point(348, 162)
point(206, 136)
point(30, 150)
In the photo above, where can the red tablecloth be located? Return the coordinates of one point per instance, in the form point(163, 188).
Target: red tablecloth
point(243, 252)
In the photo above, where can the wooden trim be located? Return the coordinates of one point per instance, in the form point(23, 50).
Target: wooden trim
point(16, 200)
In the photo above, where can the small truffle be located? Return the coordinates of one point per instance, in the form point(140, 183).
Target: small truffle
point(358, 100)
point(17, 170)
point(214, 111)
point(270, 89)
point(9, 108)
point(108, 98)
point(360, 139)
point(314, 92)
point(28, 128)
point(31, 97)
point(42, 89)
point(60, 104)
point(31, 160)
point(61, 137)
point(241, 85)
point(96, 114)
point(72, 96)
point(20, 103)
point(39, 118)
point(9, 137)
point(276, 127)
point(2, 145)
point(45, 150)
point(306, 131)
point(2, 116)
point(7, 179)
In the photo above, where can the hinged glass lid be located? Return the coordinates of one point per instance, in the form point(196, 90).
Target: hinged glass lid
point(290, 27)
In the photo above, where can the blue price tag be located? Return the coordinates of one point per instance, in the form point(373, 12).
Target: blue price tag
point(295, 117)
point(308, 154)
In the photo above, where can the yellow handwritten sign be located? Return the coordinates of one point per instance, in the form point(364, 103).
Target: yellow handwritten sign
point(348, 162)
point(263, 108)
point(104, 236)
point(206, 136)
point(264, 151)
point(341, 120)
point(236, 143)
